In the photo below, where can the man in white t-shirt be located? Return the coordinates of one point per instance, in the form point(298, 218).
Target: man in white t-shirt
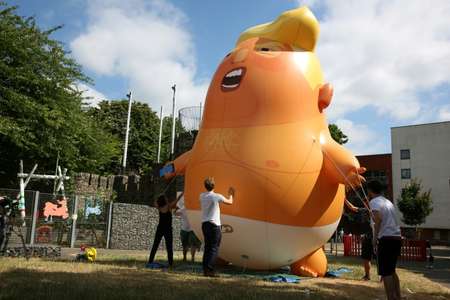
point(211, 223)
point(189, 240)
point(387, 238)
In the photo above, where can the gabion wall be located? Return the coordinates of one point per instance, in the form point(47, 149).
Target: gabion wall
point(134, 226)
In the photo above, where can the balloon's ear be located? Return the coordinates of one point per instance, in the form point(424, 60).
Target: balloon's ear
point(325, 95)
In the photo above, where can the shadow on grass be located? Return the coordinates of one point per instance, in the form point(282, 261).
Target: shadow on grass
point(179, 266)
point(120, 283)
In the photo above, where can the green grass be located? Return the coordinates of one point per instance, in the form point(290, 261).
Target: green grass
point(123, 277)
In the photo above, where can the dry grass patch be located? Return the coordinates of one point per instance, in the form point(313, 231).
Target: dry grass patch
point(123, 277)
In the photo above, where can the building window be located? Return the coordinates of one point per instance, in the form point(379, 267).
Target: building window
point(379, 175)
point(405, 154)
point(406, 173)
point(436, 235)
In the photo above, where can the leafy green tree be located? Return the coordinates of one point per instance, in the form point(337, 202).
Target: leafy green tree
point(337, 134)
point(40, 107)
point(414, 204)
point(144, 132)
point(181, 144)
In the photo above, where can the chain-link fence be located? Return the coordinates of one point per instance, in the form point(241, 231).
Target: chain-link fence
point(30, 197)
point(68, 221)
point(85, 219)
point(92, 222)
point(190, 118)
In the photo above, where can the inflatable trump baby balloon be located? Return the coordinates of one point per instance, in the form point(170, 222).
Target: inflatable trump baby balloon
point(264, 132)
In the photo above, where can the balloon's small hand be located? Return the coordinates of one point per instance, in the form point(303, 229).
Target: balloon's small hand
point(355, 178)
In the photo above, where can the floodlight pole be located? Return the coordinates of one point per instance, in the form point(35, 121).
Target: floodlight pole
point(172, 150)
point(160, 134)
point(125, 148)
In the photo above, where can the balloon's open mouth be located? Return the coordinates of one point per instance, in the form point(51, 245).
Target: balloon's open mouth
point(232, 79)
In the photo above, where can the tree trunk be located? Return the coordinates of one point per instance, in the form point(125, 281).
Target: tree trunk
point(418, 233)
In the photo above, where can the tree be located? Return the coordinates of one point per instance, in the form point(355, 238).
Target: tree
point(414, 205)
point(144, 132)
point(40, 107)
point(337, 134)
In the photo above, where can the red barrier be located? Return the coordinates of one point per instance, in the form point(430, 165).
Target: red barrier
point(347, 245)
point(412, 250)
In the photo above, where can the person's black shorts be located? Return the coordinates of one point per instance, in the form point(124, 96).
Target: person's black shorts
point(388, 252)
point(189, 240)
point(367, 248)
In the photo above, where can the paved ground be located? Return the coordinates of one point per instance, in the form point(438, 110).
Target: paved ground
point(441, 268)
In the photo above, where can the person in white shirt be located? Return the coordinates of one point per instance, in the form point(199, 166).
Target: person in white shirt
point(387, 238)
point(189, 240)
point(212, 234)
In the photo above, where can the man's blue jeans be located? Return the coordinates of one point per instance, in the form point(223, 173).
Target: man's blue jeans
point(212, 236)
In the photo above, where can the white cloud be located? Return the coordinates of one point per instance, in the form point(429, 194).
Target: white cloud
point(444, 113)
point(382, 54)
point(361, 139)
point(309, 3)
point(147, 44)
point(91, 95)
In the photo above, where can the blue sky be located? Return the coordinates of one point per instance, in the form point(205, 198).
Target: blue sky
point(389, 61)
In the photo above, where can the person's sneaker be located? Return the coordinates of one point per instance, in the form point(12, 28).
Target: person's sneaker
point(155, 265)
point(149, 266)
point(366, 278)
point(210, 274)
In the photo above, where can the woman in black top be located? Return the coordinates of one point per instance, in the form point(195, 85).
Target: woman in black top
point(164, 228)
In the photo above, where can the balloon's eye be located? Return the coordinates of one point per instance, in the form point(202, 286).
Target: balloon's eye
point(228, 54)
point(265, 49)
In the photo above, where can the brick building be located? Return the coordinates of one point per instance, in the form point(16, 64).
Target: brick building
point(379, 166)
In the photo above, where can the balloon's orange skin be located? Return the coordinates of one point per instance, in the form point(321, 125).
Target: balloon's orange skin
point(268, 138)
point(264, 139)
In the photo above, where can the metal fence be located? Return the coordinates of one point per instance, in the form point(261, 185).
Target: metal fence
point(190, 117)
point(67, 222)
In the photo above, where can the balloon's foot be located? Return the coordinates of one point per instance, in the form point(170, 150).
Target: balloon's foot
point(313, 265)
